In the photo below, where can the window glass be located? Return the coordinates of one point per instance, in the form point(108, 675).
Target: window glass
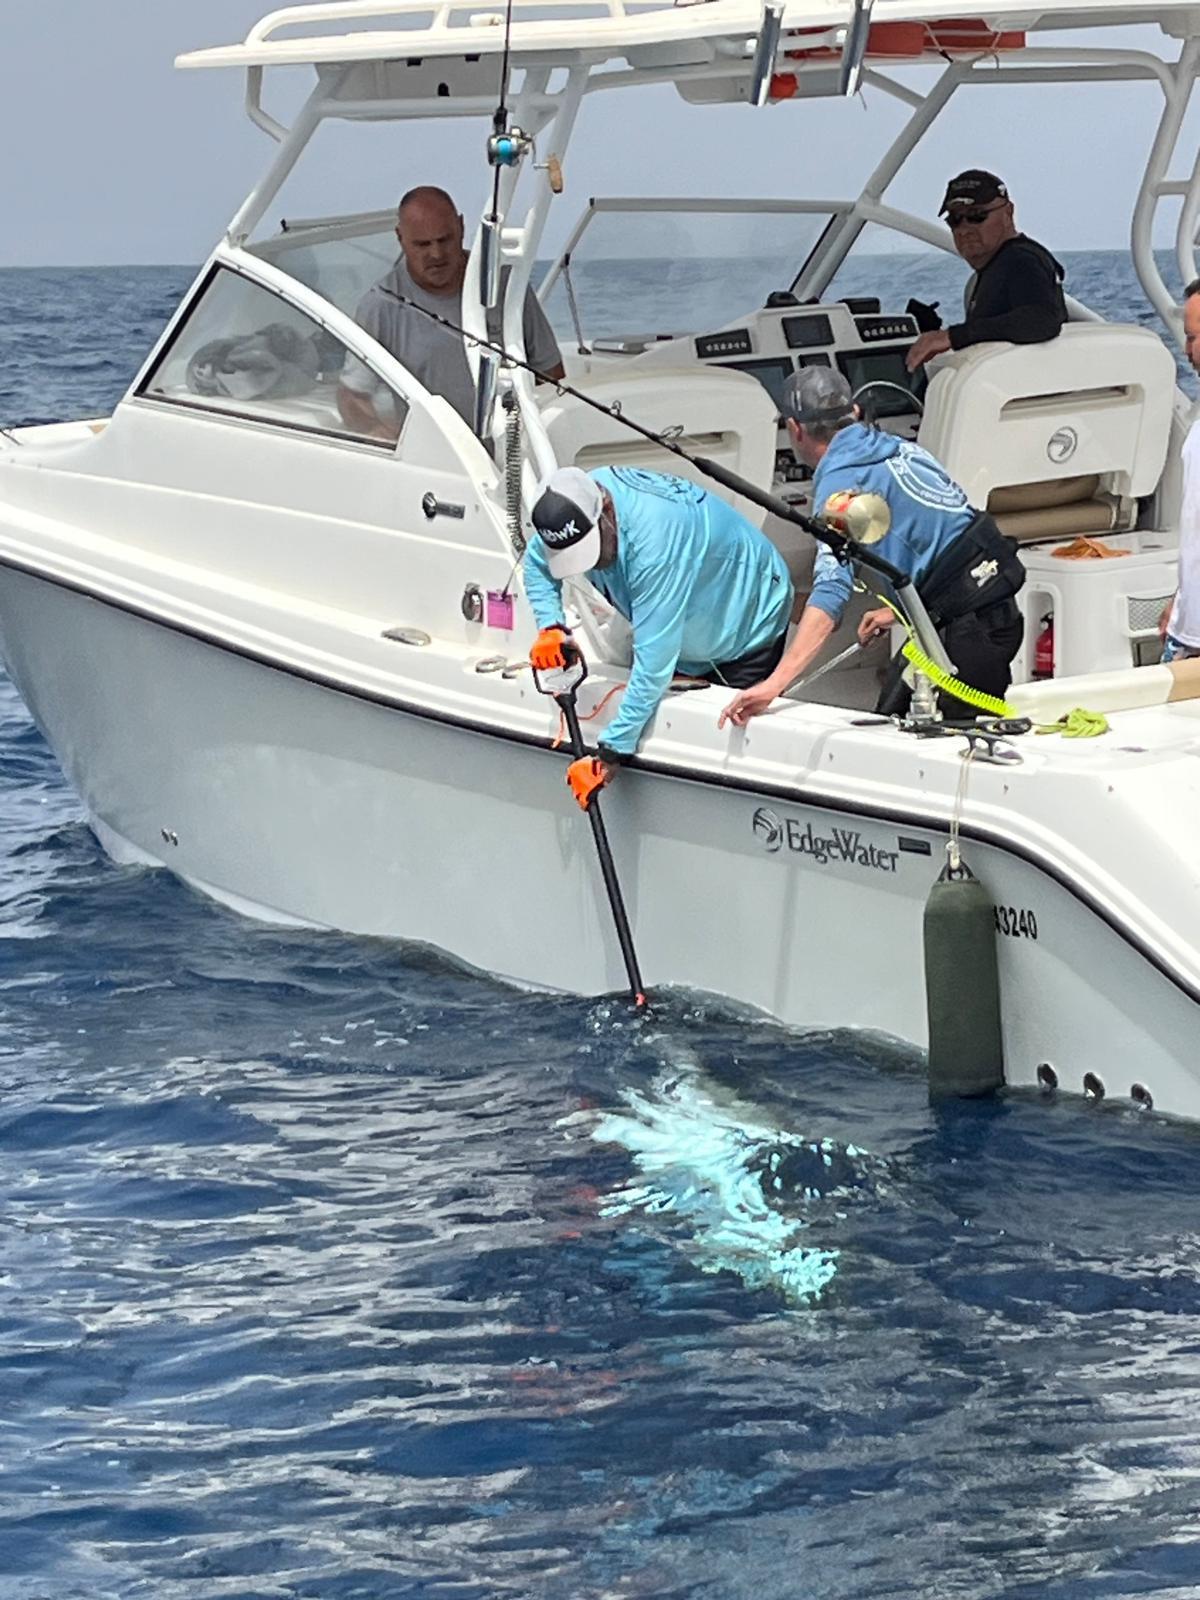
point(245, 351)
point(341, 260)
point(891, 267)
point(654, 269)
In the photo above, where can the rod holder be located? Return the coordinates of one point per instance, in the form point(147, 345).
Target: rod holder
point(489, 261)
point(764, 54)
point(485, 394)
point(854, 48)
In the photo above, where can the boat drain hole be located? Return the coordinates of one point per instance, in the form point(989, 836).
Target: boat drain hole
point(1047, 1078)
point(1092, 1087)
point(1142, 1097)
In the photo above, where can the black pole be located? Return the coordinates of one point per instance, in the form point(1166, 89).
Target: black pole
point(607, 865)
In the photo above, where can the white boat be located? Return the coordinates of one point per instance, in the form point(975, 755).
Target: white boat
point(254, 639)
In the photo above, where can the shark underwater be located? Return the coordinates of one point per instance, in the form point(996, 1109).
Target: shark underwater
point(734, 1185)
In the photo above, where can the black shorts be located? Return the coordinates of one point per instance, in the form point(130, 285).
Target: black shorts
point(751, 668)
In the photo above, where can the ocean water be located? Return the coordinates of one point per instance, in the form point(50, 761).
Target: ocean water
point(332, 1272)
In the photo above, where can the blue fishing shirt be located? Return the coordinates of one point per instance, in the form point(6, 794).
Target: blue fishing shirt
point(929, 510)
point(699, 584)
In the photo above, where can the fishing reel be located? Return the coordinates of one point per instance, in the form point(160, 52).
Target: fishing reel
point(862, 516)
point(507, 146)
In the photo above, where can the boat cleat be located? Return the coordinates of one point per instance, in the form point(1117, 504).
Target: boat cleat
point(989, 744)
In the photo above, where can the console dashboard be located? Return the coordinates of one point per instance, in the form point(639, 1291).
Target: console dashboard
point(865, 344)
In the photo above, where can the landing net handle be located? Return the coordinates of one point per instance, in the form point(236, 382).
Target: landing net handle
point(563, 685)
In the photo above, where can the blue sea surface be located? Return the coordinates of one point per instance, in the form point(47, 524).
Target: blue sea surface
point(333, 1272)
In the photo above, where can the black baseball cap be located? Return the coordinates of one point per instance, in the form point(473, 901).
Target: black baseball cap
point(973, 188)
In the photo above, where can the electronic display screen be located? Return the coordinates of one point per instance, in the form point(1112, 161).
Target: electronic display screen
point(772, 374)
point(801, 332)
point(882, 366)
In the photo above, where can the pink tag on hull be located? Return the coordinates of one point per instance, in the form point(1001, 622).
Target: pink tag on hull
point(500, 610)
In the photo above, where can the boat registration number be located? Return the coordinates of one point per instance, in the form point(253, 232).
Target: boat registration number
point(1015, 922)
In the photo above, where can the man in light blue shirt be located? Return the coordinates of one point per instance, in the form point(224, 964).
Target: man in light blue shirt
point(704, 590)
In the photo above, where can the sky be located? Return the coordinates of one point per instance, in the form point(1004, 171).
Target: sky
point(113, 156)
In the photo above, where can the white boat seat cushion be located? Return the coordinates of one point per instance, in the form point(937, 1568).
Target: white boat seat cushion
point(1095, 403)
point(713, 412)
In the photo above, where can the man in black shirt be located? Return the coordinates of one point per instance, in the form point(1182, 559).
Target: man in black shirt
point(1016, 292)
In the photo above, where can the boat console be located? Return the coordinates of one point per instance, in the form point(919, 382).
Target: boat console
point(854, 335)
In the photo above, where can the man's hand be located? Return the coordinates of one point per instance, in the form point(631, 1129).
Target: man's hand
point(872, 623)
point(586, 776)
point(1164, 621)
point(749, 703)
point(361, 417)
point(926, 346)
point(549, 651)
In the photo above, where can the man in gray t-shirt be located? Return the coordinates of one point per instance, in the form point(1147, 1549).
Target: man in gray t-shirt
point(430, 274)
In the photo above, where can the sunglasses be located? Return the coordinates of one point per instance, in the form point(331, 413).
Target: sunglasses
point(956, 219)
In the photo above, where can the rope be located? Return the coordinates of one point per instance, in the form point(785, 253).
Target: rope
point(943, 680)
point(586, 717)
point(512, 474)
point(1077, 724)
point(953, 852)
point(1088, 549)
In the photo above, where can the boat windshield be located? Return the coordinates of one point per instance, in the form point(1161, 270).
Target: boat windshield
point(895, 267)
point(338, 257)
point(687, 265)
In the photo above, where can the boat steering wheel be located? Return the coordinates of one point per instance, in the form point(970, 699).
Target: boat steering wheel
point(896, 388)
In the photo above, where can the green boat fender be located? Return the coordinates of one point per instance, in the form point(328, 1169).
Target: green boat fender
point(962, 987)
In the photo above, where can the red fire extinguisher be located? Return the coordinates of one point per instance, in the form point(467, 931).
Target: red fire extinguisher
point(1043, 650)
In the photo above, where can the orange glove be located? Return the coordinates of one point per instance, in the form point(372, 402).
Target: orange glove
point(585, 776)
point(549, 650)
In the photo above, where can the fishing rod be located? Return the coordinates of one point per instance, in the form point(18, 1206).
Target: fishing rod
point(846, 548)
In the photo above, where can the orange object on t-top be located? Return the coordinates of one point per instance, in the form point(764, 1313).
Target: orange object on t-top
point(900, 41)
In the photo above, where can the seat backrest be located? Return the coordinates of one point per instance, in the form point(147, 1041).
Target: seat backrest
point(1090, 407)
point(712, 412)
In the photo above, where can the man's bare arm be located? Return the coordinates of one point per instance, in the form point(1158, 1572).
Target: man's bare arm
point(815, 627)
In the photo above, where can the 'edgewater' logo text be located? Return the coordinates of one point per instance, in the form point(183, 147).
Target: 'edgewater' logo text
point(839, 844)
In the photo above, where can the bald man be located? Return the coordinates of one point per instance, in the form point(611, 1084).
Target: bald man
point(429, 273)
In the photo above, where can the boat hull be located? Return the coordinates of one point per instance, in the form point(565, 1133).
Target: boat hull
point(297, 802)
